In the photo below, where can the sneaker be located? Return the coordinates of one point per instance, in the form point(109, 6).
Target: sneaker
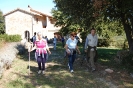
point(71, 71)
point(39, 72)
point(43, 72)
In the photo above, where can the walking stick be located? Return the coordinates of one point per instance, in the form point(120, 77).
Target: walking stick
point(30, 46)
point(29, 63)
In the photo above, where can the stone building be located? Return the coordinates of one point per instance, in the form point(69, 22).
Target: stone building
point(26, 22)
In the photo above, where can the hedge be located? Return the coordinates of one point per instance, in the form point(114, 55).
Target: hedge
point(10, 38)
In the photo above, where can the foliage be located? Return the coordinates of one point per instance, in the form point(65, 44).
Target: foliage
point(81, 16)
point(125, 58)
point(103, 42)
point(10, 38)
point(108, 29)
point(2, 24)
point(73, 15)
point(65, 22)
point(122, 11)
point(128, 60)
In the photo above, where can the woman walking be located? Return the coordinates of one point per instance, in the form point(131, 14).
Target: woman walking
point(41, 47)
point(71, 47)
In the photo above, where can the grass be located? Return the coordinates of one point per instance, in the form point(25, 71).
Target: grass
point(57, 74)
point(106, 56)
point(1, 43)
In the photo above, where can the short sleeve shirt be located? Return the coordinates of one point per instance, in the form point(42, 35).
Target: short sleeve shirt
point(71, 43)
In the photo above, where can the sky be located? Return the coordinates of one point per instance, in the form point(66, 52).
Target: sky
point(43, 6)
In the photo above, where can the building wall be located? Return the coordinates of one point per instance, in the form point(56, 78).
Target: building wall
point(44, 25)
point(18, 22)
point(51, 29)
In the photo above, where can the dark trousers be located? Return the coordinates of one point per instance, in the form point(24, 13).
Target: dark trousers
point(41, 62)
point(71, 60)
point(63, 44)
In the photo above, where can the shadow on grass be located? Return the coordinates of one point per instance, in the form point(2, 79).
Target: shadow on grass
point(106, 56)
point(57, 73)
point(57, 76)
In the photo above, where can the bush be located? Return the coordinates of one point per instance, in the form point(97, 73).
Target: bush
point(125, 58)
point(128, 60)
point(10, 38)
point(125, 45)
point(103, 42)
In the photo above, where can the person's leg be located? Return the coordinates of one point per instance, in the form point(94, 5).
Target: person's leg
point(63, 44)
point(70, 62)
point(55, 46)
point(39, 60)
point(73, 58)
point(88, 58)
point(92, 54)
point(43, 62)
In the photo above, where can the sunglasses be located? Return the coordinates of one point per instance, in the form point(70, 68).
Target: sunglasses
point(74, 36)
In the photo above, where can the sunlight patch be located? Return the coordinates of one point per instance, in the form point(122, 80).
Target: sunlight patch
point(104, 60)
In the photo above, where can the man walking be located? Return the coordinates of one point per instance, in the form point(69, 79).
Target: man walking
point(91, 42)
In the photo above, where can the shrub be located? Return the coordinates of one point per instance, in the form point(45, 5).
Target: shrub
point(103, 42)
point(125, 58)
point(10, 38)
point(125, 45)
point(128, 60)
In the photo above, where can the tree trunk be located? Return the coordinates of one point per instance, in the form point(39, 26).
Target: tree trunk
point(128, 31)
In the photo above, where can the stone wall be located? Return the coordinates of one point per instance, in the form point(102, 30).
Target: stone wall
point(18, 22)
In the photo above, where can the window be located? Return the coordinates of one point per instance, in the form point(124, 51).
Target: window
point(36, 20)
point(44, 24)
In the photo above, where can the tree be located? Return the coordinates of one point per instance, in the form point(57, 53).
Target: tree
point(123, 11)
point(73, 15)
point(67, 23)
point(89, 13)
point(108, 29)
point(2, 25)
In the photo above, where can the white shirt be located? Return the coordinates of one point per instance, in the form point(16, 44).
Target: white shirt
point(71, 43)
point(91, 41)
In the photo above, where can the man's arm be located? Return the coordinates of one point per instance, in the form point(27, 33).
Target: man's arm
point(96, 41)
point(86, 43)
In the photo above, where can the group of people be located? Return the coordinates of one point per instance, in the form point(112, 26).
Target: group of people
point(71, 48)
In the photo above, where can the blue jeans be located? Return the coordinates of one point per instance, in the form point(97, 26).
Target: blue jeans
point(71, 60)
point(54, 46)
